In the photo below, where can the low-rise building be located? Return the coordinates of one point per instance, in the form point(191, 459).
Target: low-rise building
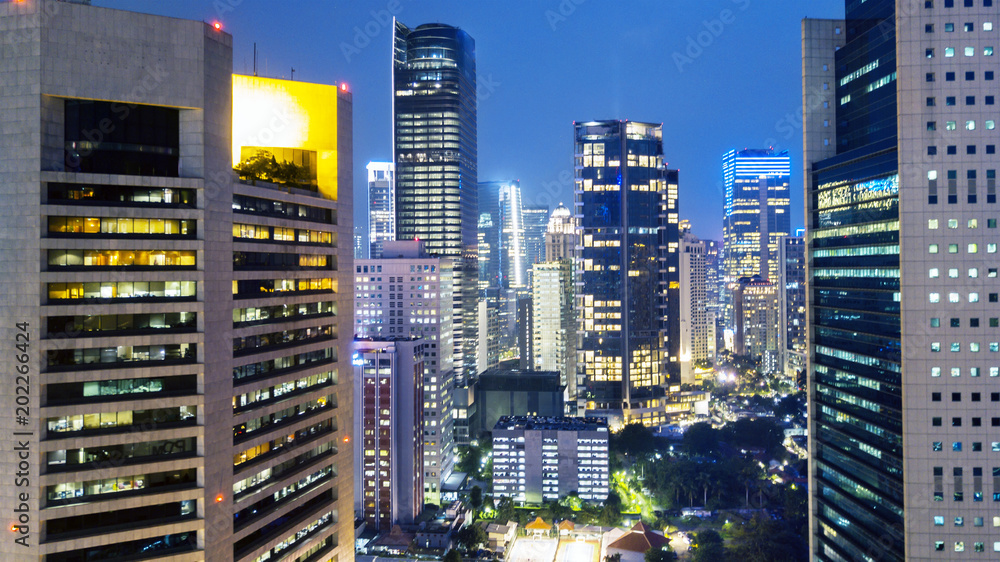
point(538, 459)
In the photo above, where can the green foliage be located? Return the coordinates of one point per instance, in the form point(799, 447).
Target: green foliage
point(471, 536)
point(708, 546)
point(452, 556)
point(476, 497)
point(762, 539)
point(263, 166)
point(701, 439)
point(611, 513)
point(505, 510)
point(635, 440)
point(760, 433)
point(616, 557)
point(660, 555)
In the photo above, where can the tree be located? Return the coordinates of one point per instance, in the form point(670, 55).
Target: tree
point(664, 554)
point(616, 557)
point(708, 547)
point(762, 539)
point(476, 497)
point(505, 510)
point(452, 556)
point(471, 536)
point(611, 514)
point(701, 439)
point(634, 440)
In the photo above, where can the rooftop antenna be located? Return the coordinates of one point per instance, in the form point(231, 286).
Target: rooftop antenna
point(293, 74)
point(255, 58)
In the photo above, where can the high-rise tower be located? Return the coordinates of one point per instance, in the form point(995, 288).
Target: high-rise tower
point(381, 207)
point(902, 285)
point(434, 147)
point(181, 364)
point(756, 214)
point(627, 268)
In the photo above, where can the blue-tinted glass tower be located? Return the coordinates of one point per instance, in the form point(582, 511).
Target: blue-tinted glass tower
point(435, 153)
point(627, 269)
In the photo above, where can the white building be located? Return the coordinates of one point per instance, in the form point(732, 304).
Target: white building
point(409, 294)
point(554, 324)
point(538, 459)
point(697, 324)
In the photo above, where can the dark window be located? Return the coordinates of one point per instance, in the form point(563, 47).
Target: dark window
point(988, 75)
point(929, 28)
point(956, 422)
point(976, 397)
point(936, 422)
point(931, 150)
point(112, 138)
point(952, 150)
point(955, 323)
point(949, 100)
point(949, 76)
point(970, 149)
point(932, 125)
point(977, 422)
point(930, 102)
point(973, 322)
point(970, 100)
point(991, 149)
point(930, 77)
point(935, 397)
point(971, 75)
point(956, 396)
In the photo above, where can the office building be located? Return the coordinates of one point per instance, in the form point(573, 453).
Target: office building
point(538, 459)
point(755, 304)
point(560, 235)
point(506, 391)
point(408, 293)
point(388, 422)
point(159, 342)
point(554, 324)
point(435, 156)
point(901, 283)
point(536, 224)
point(525, 332)
point(359, 242)
point(791, 286)
point(513, 270)
point(696, 324)
point(628, 256)
point(489, 233)
point(381, 207)
point(756, 213)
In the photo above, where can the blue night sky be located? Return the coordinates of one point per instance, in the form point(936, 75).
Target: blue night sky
point(543, 64)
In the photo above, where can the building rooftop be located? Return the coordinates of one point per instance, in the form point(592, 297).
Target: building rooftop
point(499, 378)
point(557, 423)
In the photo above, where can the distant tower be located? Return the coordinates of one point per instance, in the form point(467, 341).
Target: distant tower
point(756, 213)
point(381, 207)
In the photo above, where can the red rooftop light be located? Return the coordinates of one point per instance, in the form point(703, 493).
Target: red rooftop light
point(217, 26)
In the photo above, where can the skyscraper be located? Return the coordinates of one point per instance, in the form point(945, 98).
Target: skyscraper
point(697, 333)
point(381, 207)
point(388, 428)
point(560, 235)
point(409, 293)
point(536, 223)
point(902, 282)
point(755, 215)
point(435, 155)
point(554, 324)
point(513, 261)
point(181, 352)
point(755, 309)
point(627, 217)
point(791, 285)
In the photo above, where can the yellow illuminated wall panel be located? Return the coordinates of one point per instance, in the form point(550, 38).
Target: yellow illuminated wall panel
point(269, 112)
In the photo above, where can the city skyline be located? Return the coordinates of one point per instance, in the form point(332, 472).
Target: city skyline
point(701, 117)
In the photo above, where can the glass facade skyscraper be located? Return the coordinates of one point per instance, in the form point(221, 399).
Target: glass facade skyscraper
point(902, 283)
point(381, 207)
point(434, 147)
point(627, 267)
point(756, 213)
